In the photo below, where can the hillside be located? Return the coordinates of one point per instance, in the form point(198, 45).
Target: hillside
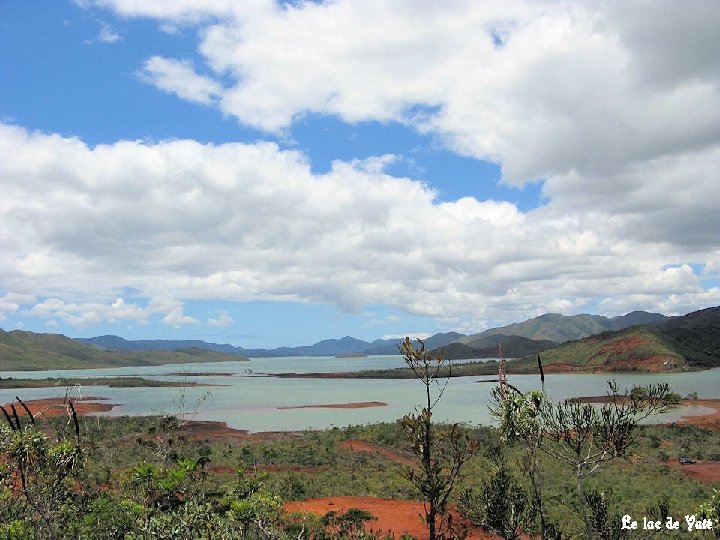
point(562, 328)
point(487, 347)
point(681, 343)
point(24, 351)
point(699, 332)
point(640, 348)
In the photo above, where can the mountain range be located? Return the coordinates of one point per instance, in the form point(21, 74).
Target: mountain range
point(579, 342)
point(541, 333)
point(326, 347)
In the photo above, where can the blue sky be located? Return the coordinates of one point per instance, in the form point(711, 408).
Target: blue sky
point(267, 174)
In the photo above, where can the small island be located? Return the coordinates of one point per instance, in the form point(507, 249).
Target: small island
point(111, 382)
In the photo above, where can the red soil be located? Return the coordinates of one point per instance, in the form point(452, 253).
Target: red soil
point(393, 516)
point(59, 407)
point(704, 471)
point(357, 405)
point(368, 448)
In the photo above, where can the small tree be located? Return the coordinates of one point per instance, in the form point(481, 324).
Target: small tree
point(42, 471)
point(580, 435)
point(711, 510)
point(500, 505)
point(441, 452)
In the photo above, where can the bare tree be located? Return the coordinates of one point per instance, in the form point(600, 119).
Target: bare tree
point(441, 451)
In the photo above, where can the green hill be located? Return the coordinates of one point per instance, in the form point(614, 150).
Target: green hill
point(487, 347)
point(25, 351)
point(679, 344)
point(561, 328)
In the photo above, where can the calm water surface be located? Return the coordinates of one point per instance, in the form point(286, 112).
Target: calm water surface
point(249, 399)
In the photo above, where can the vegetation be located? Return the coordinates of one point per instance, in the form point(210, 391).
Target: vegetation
point(441, 452)
point(579, 435)
point(28, 351)
point(550, 470)
point(487, 347)
point(112, 382)
point(141, 476)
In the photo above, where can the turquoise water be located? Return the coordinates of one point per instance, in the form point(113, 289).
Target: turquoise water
point(249, 398)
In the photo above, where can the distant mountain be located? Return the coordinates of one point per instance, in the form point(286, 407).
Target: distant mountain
point(116, 343)
point(561, 328)
point(433, 342)
point(681, 343)
point(487, 347)
point(326, 347)
point(20, 350)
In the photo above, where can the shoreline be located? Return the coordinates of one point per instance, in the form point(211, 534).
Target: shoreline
point(57, 406)
point(703, 420)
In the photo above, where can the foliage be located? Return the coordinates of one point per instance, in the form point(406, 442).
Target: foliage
point(40, 470)
point(188, 483)
point(711, 510)
point(348, 525)
point(579, 435)
point(501, 504)
point(441, 452)
point(602, 523)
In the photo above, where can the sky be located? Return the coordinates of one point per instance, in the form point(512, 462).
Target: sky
point(268, 173)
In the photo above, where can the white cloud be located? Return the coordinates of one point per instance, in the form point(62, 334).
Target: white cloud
point(179, 221)
point(85, 313)
point(108, 34)
point(223, 319)
point(545, 88)
point(179, 77)
point(11, 303)
point(412, 335)
point(177, 318)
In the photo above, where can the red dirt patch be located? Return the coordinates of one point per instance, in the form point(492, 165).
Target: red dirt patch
point(704, 471)
point(365, 447)
point(59, 407)
point(357, 405)
point(393, 516)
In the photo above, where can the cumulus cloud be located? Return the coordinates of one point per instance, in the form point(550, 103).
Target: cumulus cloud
point(544, 88)
point(223, 319)
point(179, 221)
point(85, 313)
point(11, 302)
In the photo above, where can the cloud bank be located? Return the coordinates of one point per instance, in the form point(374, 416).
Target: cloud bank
point(179, 220)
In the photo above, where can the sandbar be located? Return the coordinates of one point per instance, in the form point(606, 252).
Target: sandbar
point(356, 405)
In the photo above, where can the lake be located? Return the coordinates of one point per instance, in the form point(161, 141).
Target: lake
point(249, 398)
